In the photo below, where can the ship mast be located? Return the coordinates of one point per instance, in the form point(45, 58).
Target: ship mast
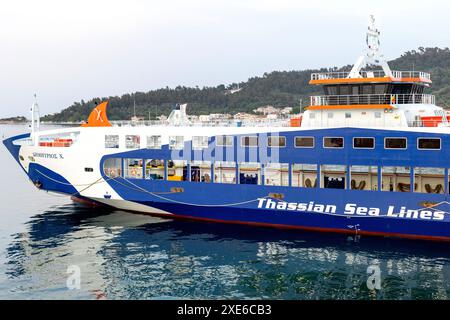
point(35, 118)
point(372, 55)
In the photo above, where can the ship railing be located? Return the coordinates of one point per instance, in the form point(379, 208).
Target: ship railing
point(219, 123)
point(370, 74)
point(367, 99)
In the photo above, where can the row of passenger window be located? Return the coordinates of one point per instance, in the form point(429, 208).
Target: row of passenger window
point(400, 179)
point(201, 142)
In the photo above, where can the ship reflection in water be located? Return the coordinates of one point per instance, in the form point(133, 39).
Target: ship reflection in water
point(128, 256)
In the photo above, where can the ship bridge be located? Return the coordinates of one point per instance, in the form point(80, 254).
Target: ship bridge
point(374, 97)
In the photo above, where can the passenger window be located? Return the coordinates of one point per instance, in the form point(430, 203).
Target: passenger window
point(429, 143)
point(132, 168)
point(154, 142)
point(333, 176)
point(249, 141)
point(176, 142)
point(396, 179)
point(224, 141)
point(225, 172)
point(132, 142)
point(111, 141)
point(429, 180)
point(276, 141)
point(333, 142)
point(201, 171)
point(363, 143)
point(199, 142)
point(395, 143)
point(276, 174)
point(304, 175)
point(249, 173)
point(177, 170)
point(364, 178)
point(112, 167)
point(154, 169)
point(304, 142)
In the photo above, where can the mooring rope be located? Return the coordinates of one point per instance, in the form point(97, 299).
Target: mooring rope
point(159, 195)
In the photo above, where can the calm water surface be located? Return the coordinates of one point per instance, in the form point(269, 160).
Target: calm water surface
point(131, 256)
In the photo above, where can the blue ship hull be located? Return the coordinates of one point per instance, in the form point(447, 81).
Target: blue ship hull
point(357, 212)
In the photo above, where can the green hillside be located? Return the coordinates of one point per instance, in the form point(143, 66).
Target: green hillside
point(278, 88)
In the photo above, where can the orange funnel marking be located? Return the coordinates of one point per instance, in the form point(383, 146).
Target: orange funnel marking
point(98, 117)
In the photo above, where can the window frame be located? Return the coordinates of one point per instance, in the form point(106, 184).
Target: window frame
point(118, 141)
point(197, 147)
point(423, 149)
point(278, 146)
point(224, 145)
point(343, 142)
point(160, 142)
point(384, 144)
point(357, 148)
point(301, 147)
point(244, 146)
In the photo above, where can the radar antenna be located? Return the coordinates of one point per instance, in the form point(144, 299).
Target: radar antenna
point(372, 55)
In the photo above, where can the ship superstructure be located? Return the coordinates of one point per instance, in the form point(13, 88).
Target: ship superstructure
point(369, 156)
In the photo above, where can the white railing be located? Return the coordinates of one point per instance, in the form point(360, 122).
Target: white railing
point(387, 99)
point(371, 74)
point(221, 123)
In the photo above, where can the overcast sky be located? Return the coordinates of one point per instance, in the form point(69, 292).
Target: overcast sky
point(70, 50)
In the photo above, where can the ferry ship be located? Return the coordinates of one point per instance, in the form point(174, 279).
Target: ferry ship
point(368, 157)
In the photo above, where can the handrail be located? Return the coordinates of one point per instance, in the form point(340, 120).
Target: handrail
point(220, 123)
point(370, 74)
point(386, 99)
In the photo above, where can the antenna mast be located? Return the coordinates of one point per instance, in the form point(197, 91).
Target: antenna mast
point(35, 118)
point(372, 56)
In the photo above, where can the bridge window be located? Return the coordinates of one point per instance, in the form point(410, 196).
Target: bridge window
point(364, 178)
point(377, 114)
point(249, 141)
point(363, 143)
point(276, 174)
point(330, 115)
point(176, 142)
point(333, 142)
point(201, 171)
point(132, 168)
point(395, 143)
point(333, 176)
point(111, 141)
point(112, 167)
point(224, 141)
point(249, 173)
point(177, 170)
point(132, 142)
point(199, 142)
point(348, 115)
point(304, 142)
point(429, 180)
point(396, 179)
point(304, 175)
point(224, 172)
point(429, 144)
point(154, 142)
point(154, 169)
point(276, 141)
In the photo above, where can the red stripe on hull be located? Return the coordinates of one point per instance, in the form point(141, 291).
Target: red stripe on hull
point(289, 227)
